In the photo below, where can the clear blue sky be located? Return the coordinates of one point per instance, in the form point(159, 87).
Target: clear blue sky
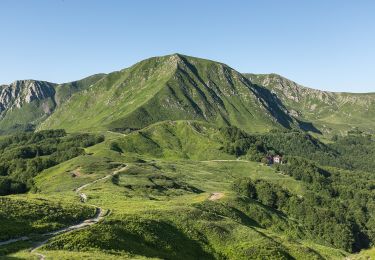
point(327, 44)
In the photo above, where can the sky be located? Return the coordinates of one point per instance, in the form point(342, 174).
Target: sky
point(323, 44)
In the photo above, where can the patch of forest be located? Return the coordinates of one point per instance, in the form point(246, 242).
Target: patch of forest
point(25, 155)
point(338, 206)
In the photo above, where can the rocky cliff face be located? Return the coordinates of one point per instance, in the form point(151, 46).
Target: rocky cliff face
point(23, 92)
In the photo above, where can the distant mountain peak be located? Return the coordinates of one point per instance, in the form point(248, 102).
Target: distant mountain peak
point(24, 91)
point(27, 102)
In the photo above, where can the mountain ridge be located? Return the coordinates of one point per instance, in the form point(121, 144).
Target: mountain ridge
point(333, 112)
point(181, 87)
point(249, 74)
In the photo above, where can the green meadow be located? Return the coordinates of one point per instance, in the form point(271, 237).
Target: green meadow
point(162, 205)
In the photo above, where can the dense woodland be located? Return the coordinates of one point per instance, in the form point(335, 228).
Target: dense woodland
point(338, 207)
point(24, 155)
point(351, 152)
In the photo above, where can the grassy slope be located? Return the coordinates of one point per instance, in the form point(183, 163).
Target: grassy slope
point(23, 215)
point(160, 207)
point(113, 97)
point(176, 139)
point(330, 112)
point(172, 87)
point(32, 113)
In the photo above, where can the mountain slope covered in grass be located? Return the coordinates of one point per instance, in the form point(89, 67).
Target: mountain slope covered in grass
point(331, 112)
point(177, 140)
point(179, 87)
point(173, 87)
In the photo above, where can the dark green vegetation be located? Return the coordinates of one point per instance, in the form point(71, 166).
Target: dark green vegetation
point(336, 198)
point(25, 155)
point(178, 151)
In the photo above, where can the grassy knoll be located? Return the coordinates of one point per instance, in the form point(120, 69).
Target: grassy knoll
point(23, 215)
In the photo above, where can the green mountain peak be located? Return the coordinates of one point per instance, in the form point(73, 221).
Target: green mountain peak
point(172, 87)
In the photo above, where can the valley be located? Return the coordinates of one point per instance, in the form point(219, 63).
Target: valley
point(169, 159)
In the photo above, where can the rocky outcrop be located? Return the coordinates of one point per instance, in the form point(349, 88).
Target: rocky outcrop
point(290, 90)
point(26, 103)
point(23, 92)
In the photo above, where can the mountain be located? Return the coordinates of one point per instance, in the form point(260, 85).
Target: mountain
point(174, 87)
point(179, 87)
point(26, 103)
point(162, 160)
point(331, 112)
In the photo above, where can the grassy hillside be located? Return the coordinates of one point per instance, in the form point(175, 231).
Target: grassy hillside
point(161, 209)
point(20, 216)
point(176, 139)
point(332, 113)
point(185, 195)
point(174, 87)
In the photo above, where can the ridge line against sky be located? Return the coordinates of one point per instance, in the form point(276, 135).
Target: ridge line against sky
point(327, 45)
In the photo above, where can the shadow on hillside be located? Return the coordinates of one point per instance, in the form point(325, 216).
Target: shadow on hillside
point(273, 104)
point(6, 250)
point(308, 126)
point(279, 111)
point(219, 211)
point(144, 237)
point(177, 244)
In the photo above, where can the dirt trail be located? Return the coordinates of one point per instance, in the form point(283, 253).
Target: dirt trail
point(236, 160)
point(100, 214)
point(10, 241)
point(216, 196)
point(101, 179)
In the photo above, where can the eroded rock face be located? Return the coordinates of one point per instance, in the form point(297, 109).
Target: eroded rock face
point(22, 92)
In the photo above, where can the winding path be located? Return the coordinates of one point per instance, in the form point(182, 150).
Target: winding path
point(233, 160)
point(100, 214)
point(88, 222)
